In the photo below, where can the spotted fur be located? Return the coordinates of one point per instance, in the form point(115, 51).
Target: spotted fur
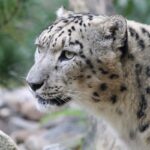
point(102, 63)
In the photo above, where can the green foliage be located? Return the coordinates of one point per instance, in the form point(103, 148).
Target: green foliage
point(65, 112)
point(20, 22)
point(134, 9)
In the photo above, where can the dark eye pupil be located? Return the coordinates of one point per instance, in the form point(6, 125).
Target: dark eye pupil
point(63, 57)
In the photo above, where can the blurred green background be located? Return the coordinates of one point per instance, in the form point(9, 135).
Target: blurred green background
point(22, 20)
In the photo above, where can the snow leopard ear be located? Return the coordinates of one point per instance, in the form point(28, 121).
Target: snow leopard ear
point(116, 27)
point(63, 13)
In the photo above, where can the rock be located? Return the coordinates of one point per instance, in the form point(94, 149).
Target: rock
point(67, 135)
point(22, 135)
point(54, 147)
point(5, 112)
point(21, 147)
point(35, 142)
point(17, 123)
point(30, 111)
point(23, 102)
point(4, 126)
point(2, 103)
point(6, 143)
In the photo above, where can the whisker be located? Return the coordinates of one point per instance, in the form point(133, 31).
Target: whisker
point(78, 92)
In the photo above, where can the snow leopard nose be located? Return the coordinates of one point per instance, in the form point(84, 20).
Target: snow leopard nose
point(35, 86)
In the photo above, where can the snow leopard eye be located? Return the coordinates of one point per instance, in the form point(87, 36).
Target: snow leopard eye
point(66, 55)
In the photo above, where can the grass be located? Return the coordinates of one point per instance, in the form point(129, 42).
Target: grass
point(66, 112)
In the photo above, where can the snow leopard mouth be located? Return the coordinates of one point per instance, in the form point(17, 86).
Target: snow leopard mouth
point(54, 101)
